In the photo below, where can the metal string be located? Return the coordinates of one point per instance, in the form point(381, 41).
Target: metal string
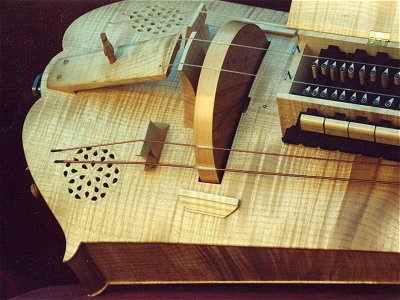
point(270, 50)
point(275, 78)
point(225, 149)
point(238, 150)
point(294, 175)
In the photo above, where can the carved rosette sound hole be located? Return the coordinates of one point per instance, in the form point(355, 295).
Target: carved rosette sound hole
point(155, 19)
point(90, 180)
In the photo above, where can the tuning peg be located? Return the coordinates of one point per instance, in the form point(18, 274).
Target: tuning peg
point(385, 79)
point(315, 92)
point(108, 48)
point(324, 66)
point(324, 93)
point(306, 91)
point(351, 71)
point(396, 78)
point(36, 85)
point(364, 99)
point(334, 95)
point(314, 68)
point(353, 98)
point(343, 73)
point(361, 75)
point(333, 71)
point(389, 103)
point(377, 101)
point(372, 74)
point(342, 96)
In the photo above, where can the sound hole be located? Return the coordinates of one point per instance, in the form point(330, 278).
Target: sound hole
point(90, 180)
point(155, 19)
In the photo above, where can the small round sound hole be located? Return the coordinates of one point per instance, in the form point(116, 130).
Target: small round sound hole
point(89, 179)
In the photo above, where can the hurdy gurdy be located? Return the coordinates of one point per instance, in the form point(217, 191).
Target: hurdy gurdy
point(188, 142)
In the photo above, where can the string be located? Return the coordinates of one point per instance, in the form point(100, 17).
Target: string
point(225, 149)
point(294, 175)
point(274, 78)
point(270, 50)
point(293, 52)
point(245, 151)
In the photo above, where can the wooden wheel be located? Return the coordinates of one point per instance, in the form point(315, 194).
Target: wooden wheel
point(222, 96)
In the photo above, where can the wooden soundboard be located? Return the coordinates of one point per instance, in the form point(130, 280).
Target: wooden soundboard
point(302, 215)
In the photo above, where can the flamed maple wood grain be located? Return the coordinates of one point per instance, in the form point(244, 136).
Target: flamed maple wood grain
point(93, 70)
point(286, 229)
point(355, 18)
point(127, 263)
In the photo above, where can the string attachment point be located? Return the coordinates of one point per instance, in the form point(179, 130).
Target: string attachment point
point(108, 48)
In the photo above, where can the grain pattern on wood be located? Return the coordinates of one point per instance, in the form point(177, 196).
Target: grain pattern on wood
point(222, 96)
point(308, 230)
point(207, 204)
point(316, 41)
point(140, 62)
point(151, 152)
point(388, 136)
point(191, 263)
point(355, 18)
point(189, 73)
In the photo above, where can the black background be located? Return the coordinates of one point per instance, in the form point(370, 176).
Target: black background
point(31, 242)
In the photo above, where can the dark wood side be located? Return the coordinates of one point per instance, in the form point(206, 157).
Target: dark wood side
point(87, 272)
point(121, 263)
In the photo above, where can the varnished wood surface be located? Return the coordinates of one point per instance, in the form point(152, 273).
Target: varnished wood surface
point(127, 263)
point(355, 18)
point(139, 62)
point(274, 212)
point(222, 96)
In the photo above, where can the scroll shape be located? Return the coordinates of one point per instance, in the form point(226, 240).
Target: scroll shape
point(207, 204)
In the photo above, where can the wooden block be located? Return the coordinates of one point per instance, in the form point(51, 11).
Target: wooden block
point(336, 127)
point(348, 129)
point(388, 136)
point(207, 204)
point(290, 107)
point(346, 18)
point(152, 151)
point(275, 29)
point(312, 123)
point(363, 132)
point(144, 61)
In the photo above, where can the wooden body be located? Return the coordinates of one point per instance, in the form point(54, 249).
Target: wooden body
point(284, 230)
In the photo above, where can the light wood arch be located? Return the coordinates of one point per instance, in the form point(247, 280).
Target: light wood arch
point(223, 96)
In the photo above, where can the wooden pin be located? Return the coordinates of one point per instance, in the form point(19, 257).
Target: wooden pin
point(108, 48)
point(343, 73)
point(35, 191)
point(314, 68)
